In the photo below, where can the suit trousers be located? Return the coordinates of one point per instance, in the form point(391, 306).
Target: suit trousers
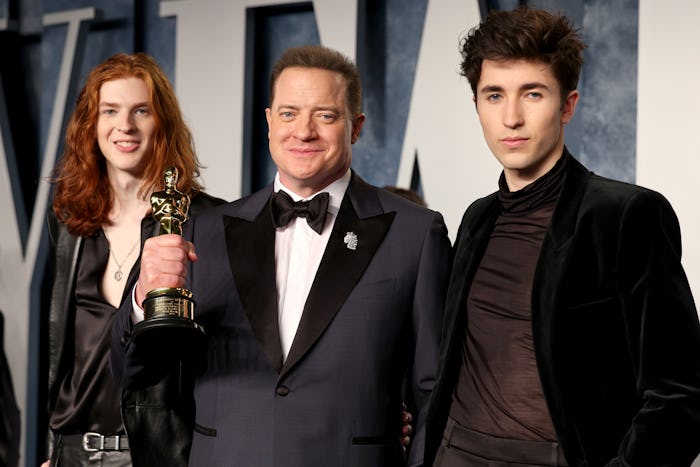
point(462, 447)
point(68, 451)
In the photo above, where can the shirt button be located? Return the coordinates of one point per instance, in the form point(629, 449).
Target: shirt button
point(282, 391)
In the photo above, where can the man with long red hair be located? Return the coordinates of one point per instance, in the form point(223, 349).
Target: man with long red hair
point(126, 129)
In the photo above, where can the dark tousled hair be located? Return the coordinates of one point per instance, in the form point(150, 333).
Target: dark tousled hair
point(529, 34)
point(324, 58)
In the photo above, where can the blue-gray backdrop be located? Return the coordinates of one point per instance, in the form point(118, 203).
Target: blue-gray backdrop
point(387, 50)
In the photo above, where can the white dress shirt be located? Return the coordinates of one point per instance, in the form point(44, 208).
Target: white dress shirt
point(298, 253)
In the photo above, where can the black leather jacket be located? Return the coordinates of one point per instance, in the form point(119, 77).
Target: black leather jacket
point(166, 404)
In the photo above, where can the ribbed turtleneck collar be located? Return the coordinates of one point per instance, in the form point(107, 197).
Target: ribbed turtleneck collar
point(541, 192)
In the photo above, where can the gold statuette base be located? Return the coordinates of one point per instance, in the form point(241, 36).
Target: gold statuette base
point(168, 318)
point(168, 302)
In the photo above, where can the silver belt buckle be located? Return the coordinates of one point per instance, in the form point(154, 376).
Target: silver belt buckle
point(86, 442)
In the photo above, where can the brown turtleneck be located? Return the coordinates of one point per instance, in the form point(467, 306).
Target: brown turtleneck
point(499, 390)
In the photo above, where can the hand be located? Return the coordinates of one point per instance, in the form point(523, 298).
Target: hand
point(406, 428)
point(46, 464)
point(164, 262)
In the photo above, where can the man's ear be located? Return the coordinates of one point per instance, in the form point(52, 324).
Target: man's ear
point(357, 127)
point(268, 117)
point(569, 107)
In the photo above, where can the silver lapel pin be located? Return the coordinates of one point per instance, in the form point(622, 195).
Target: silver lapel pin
point(350, 240)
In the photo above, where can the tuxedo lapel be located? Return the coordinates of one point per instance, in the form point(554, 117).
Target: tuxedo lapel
point(549, 287)
point(341, 266)
point(555, 251)
point(472, 239)
point(566, 211)
point(251, 251)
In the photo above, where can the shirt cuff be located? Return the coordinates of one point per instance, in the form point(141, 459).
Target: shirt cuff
point(136, 311)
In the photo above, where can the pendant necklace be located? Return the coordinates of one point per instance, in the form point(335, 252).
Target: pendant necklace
point(118, 274)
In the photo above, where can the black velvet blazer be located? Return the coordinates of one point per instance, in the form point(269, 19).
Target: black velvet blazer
point(615, 328)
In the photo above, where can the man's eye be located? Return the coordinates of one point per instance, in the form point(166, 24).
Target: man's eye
point(328, 117)
point(534, 95)
point(493, 97)
point(286, 114)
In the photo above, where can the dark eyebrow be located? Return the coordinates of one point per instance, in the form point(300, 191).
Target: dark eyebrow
point(321, 108)
point(332, 109)
point(491, 88)
point(287, 106)
point(535, 85)
point(525, 87)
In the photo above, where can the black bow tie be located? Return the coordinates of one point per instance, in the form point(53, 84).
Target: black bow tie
point(284, 210)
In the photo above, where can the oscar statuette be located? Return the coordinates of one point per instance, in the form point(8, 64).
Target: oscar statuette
point(169, 311)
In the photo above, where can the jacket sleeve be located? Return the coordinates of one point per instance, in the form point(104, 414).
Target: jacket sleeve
point(664, 336)
point(129, 364)
point(135, 366)
point(428, 306)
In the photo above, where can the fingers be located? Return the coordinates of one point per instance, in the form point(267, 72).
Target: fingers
point(406, 428)
point(164, 263)
point(406, 419)
point(191, 254)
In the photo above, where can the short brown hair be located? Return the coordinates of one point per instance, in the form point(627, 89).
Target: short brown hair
point(83, 195)
point(318, 56)
point(529, 34)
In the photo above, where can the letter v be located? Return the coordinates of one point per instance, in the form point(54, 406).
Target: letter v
point(22, 257)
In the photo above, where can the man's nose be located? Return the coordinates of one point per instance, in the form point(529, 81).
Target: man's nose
point(513, 114)
point(305, 128)
point(126, 123)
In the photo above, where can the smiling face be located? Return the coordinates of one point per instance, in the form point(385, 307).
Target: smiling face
point(125, 126)
point(522, 116)
point(311, 130)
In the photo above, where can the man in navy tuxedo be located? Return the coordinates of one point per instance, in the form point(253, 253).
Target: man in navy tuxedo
point(571, 336)
point(320, 295)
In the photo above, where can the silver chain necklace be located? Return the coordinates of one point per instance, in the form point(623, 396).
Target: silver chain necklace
point(118, 274)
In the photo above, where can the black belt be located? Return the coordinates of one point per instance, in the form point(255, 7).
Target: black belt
point(94, 442)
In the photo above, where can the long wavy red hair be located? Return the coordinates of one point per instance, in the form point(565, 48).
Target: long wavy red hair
point(83, 196)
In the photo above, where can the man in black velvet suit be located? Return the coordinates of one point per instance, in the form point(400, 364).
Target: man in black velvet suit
point(571, 336)
point(313, 325)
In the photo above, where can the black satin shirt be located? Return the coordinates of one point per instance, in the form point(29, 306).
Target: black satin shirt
point(88, 398)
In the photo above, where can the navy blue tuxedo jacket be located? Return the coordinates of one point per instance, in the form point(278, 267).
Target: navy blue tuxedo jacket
point(615, 328)
point(373, 317)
